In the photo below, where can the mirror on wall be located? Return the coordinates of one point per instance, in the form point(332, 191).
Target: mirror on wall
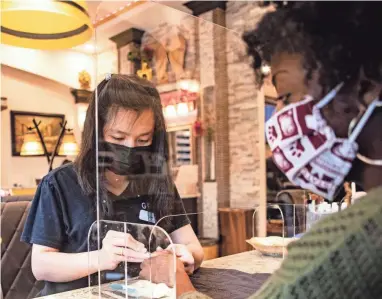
point(269, 107)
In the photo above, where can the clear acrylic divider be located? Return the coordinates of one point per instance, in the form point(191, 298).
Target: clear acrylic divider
point(180, 54)
point(287, 223)
point(179, 254)
point(124, 281)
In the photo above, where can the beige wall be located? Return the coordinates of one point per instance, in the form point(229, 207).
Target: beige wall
point(60, 65)
point(106, 62)
point(29, 92)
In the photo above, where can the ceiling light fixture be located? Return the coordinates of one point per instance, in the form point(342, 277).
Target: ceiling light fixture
point(45, 24)
point(130, 5)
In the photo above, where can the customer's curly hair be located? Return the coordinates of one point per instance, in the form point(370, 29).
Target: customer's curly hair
point(338, 38)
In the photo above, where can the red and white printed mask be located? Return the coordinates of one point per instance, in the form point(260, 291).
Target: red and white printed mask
point(307, 150)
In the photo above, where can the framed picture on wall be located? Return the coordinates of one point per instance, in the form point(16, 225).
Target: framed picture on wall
point(49, 125)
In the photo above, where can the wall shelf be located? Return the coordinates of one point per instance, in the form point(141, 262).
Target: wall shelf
point(4, 103)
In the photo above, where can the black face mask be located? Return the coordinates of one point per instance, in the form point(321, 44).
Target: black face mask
point(124, 160)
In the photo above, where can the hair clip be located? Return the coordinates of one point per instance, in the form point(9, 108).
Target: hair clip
point(108, 77)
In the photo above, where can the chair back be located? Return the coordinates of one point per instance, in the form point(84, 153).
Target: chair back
point(17, 280)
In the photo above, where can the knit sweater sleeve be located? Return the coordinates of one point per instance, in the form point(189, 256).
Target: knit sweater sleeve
point(338, 258)
point(194, 295)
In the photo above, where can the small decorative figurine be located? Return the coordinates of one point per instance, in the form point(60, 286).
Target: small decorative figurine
point(84, 79)
point(145, 72)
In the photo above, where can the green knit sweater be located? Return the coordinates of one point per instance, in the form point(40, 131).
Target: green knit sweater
point(339, 258)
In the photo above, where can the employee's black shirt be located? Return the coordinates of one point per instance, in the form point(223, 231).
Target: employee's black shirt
point(62, 214)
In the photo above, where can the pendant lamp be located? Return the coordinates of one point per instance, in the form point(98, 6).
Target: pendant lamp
point(68, 145)
point(45, 24)
point(32, 145)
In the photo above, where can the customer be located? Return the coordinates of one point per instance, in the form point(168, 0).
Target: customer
point(135, 186)
point(332, 52)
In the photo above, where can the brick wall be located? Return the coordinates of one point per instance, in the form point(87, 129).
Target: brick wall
point(244, 118)
point(246, 111)
point(207, 85)
point(107, 62)
point(221, 110)
point(242, 143)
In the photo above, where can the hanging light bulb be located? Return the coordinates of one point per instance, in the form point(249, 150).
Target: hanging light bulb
point(191, 105)
point(45, 24)
point(32, 145)
point(182, 109)
point(170, 111)
point(68, 146)
point(189, 85)
point(193, 86)
point(183, 85)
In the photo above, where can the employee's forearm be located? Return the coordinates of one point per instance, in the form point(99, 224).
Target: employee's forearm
point(197, 253)
point(64, 267)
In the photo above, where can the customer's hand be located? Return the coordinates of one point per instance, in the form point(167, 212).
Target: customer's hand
point(160, 269)
point(119, 247)
point(184, 255)
point(316, 198)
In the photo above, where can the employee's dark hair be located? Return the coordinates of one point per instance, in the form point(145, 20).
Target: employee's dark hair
point(336, 38)
point(126, 92)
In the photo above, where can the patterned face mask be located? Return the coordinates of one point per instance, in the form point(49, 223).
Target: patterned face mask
point(307, 150)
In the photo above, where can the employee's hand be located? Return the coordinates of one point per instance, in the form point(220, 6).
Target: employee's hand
point(184, 255)
point(160, 269)
point(120, 247)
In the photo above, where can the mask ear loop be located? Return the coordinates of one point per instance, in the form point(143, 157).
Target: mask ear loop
point(355, 128)
point(329, 97)
point(353, 134)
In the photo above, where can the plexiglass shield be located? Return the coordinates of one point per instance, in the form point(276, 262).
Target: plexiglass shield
point(172, 162)
point(175, 99)
point(287, 222)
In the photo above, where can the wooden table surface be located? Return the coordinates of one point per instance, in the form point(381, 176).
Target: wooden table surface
point(249, 262)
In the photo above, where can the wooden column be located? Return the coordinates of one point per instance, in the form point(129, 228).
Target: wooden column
point(221, 109)
point(127, 41)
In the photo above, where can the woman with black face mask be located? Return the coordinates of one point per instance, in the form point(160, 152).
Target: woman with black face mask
point(134, 184)
point(326, 65)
